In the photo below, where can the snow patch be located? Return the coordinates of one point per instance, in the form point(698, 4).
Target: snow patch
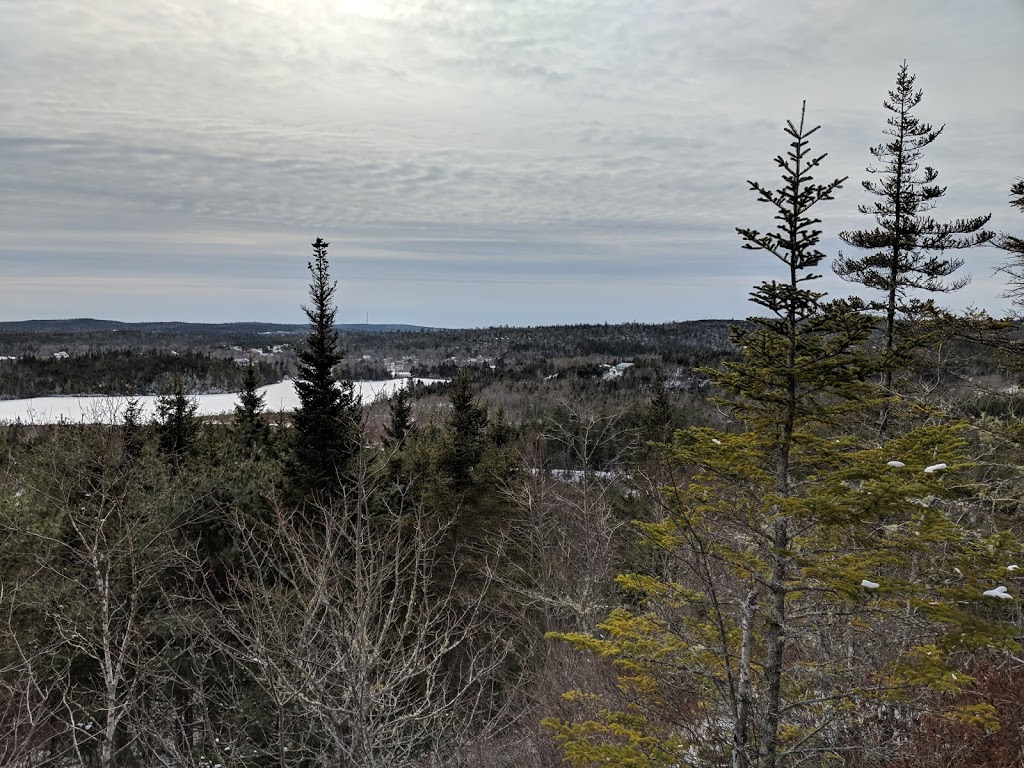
point(934, 468)
point(999, 592)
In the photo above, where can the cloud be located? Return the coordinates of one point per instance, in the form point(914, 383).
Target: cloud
point(457, 142)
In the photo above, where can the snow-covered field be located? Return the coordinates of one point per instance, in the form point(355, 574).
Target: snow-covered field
point(101, 409)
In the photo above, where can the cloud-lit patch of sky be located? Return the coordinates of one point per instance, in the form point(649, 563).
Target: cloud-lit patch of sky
point(472, 162)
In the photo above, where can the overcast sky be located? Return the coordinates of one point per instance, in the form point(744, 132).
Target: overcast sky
point(472, 162)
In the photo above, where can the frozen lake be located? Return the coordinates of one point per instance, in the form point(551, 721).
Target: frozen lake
point(102, 409)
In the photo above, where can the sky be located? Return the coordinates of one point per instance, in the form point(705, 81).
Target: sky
point(471, 162)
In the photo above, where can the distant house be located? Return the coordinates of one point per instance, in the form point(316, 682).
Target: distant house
point(61, 355)
point(615, 371)
point(400, 369)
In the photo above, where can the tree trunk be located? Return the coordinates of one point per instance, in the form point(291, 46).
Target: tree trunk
point(740, 754)
point(775, 639)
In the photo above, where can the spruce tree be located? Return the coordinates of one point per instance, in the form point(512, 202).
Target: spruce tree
point(461, 471)
point(907, 246)
point(252, 433)
point(176, 424)
point(400, 421)
point(327, 433)
point(465, 431)
point(131, 428)
point(658, 419)
point(801, 366)
point(399, 432)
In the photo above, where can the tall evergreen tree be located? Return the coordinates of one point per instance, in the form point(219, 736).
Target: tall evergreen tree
point(176, 424)
point(131, 427)
point(252, 433)
point(399, 432)
point(327, 431)
point(800, 364)
point(658, 419)
point(465, 430)
point(907, 246)
point(400, 422)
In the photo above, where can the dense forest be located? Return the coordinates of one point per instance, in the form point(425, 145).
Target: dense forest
point(792, 542)
point(125, 372)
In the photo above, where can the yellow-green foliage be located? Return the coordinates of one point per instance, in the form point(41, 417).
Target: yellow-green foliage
point(613, 738)
point(853, 518)
point(981, 715)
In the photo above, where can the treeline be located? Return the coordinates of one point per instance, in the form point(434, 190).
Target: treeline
point(432, 352)
point(44, 336)
point(125, 372)
point(694, 342)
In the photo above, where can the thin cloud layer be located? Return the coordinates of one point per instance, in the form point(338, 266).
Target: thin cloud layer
point(570, 161)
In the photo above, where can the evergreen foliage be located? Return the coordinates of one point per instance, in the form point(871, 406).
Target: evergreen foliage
point(122, 372)
point(400, 422)
point(132, 427)
point(176, 423)
point(327, 430)
point(1013, 267)
point(252, 433)
point(907, 246)
point(464, 427)
point(659, 419)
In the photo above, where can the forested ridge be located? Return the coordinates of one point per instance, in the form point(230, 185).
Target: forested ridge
point(793, 541)
point(700, 340)
point(123, 372)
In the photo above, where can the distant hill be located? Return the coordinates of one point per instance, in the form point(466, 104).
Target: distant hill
point(691, 343)
point(90, 325)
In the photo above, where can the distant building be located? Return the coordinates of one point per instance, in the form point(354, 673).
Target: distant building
point(61, 355)
point(615, 371)
point(400, 369)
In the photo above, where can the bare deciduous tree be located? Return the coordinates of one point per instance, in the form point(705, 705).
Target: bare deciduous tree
point(336, 618)
point(90, 546)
